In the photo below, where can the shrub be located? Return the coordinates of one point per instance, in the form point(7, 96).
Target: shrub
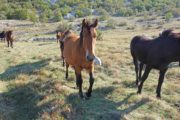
point(104, 17)
point(101, 11)
point(122, 24)
point(63, 26)
point(111, 24)
point(99, 35)
point(20, 13)
point(168, 16)
point(130, 28)
point(57, 16)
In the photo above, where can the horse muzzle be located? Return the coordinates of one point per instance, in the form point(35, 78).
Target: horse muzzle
point(90, 58)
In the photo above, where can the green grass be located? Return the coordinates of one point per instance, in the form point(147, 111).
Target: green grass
point(33, 85)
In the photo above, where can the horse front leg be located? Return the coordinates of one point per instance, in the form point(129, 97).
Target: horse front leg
point(144, 77)
point(161, 79)
point(79, 82)
point(91, 82)
point(62, 48)
point(67, 66)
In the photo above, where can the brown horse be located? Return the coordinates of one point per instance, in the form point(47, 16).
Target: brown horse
point(79, 52)
point(157, 53)
point(58, 36)
point(61, 43)
point(9, 38)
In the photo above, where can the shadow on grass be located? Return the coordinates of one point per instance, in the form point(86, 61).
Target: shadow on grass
point(23, 101)
point(100, 107)
point(25, 68)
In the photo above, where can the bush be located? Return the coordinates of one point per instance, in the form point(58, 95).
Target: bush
point(130, 28)
point(99, 35)
point(101, 11)
point(104, 17)
point(57, 16)
point(124, 12)
point(111, 24)
point(63, 26)
point(168, 16)
point(32, 16)
point(122, 24)
point(21, 14)
point(2, 16)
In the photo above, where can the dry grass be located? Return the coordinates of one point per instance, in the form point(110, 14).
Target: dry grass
point(33, 85)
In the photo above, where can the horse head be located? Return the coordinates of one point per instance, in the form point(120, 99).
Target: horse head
point(88, 38)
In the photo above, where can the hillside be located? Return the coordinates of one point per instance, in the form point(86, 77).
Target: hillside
point(57, 10)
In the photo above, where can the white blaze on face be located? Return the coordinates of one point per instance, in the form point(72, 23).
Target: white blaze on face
point(87, 53)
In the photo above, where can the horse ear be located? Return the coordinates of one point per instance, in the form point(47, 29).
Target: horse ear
point(84, 22)
point(95, 23)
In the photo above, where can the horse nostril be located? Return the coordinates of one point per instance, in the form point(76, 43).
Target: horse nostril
point(90, 58)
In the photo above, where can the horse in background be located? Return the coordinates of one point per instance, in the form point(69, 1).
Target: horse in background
point(157, 53)
point(61, 44)
point(79, 52)
point(58, 36)
point(9, 38)
point(3, 35)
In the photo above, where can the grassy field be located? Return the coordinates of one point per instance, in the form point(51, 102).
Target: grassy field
point(33, 84)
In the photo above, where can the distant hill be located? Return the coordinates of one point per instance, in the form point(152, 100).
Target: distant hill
point(56, 10)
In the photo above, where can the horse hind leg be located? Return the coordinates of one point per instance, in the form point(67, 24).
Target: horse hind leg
point(91, 82)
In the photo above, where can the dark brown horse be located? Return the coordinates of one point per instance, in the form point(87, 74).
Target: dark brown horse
point(157, 53)
point(9, 38)
point(3, 35)
point(79, 52)
point(61, 43)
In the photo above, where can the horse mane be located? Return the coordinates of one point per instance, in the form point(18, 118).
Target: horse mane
point(81, 36)
point(166, 33)
point(170, 34)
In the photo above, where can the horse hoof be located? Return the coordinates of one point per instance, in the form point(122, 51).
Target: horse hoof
point(88, 95)
point(138, 92)
point(82, 97)
point(158, 97)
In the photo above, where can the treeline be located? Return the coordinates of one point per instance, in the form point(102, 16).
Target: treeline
point(56, 10)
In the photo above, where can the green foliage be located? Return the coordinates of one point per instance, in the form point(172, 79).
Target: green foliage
point(99, 35)
point(168, 16)
point(57, 15)
point(46, 11)
point(63, 26)
point(111, 24)
point(20, 13)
